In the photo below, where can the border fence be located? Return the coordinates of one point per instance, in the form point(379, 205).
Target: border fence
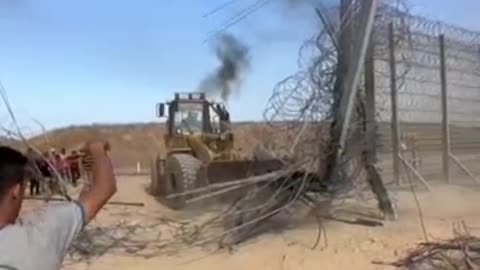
point(427, 83)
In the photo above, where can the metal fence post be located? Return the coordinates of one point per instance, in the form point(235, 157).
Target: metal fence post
point(371, 123)
point(393, 95)
point(368, 11)
point(445, 127)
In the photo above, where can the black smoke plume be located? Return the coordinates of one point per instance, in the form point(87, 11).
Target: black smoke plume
point(234, 61)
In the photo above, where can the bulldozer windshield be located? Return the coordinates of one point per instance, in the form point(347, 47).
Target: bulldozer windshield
point(188, 118)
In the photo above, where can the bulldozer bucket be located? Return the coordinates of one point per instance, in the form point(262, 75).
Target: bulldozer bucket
point(225, 171)
point(176, 175)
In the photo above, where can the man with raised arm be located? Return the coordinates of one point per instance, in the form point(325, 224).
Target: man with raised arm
point(40, 240)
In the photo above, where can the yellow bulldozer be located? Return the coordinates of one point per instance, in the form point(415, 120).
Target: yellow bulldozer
point(199, 152)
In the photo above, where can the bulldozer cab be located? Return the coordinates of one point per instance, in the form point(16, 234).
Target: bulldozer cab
point(187, 119)
point(192, 113)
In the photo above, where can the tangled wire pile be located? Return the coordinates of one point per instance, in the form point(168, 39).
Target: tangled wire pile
point(139, 236)
point(297, 109)
point(462, 252)
point(301, 110)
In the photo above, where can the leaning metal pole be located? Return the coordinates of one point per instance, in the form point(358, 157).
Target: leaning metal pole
point(349, 91)
point(352, 78)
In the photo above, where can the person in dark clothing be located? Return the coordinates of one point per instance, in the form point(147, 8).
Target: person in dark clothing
point(34, 185)
point(45, 168)
point(33, 172)
point(45, 171)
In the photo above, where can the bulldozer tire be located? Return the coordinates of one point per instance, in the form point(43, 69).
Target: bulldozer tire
point(181, 175)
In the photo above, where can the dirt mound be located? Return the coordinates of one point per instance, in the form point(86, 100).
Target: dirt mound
point(132, 143)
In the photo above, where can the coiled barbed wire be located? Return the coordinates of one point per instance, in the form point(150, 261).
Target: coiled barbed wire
point(307, 96)
point(418, 68)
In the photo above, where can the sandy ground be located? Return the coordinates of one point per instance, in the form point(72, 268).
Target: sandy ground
point(347, 246)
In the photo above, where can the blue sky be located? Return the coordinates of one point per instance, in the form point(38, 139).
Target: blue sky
point(78, 62)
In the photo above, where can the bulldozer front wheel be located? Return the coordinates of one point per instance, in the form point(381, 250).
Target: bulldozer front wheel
point(181, 175)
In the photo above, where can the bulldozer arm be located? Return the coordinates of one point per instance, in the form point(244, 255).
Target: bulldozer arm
point(201, 151)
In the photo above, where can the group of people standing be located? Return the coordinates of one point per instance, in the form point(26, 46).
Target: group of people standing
point(48, 166)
